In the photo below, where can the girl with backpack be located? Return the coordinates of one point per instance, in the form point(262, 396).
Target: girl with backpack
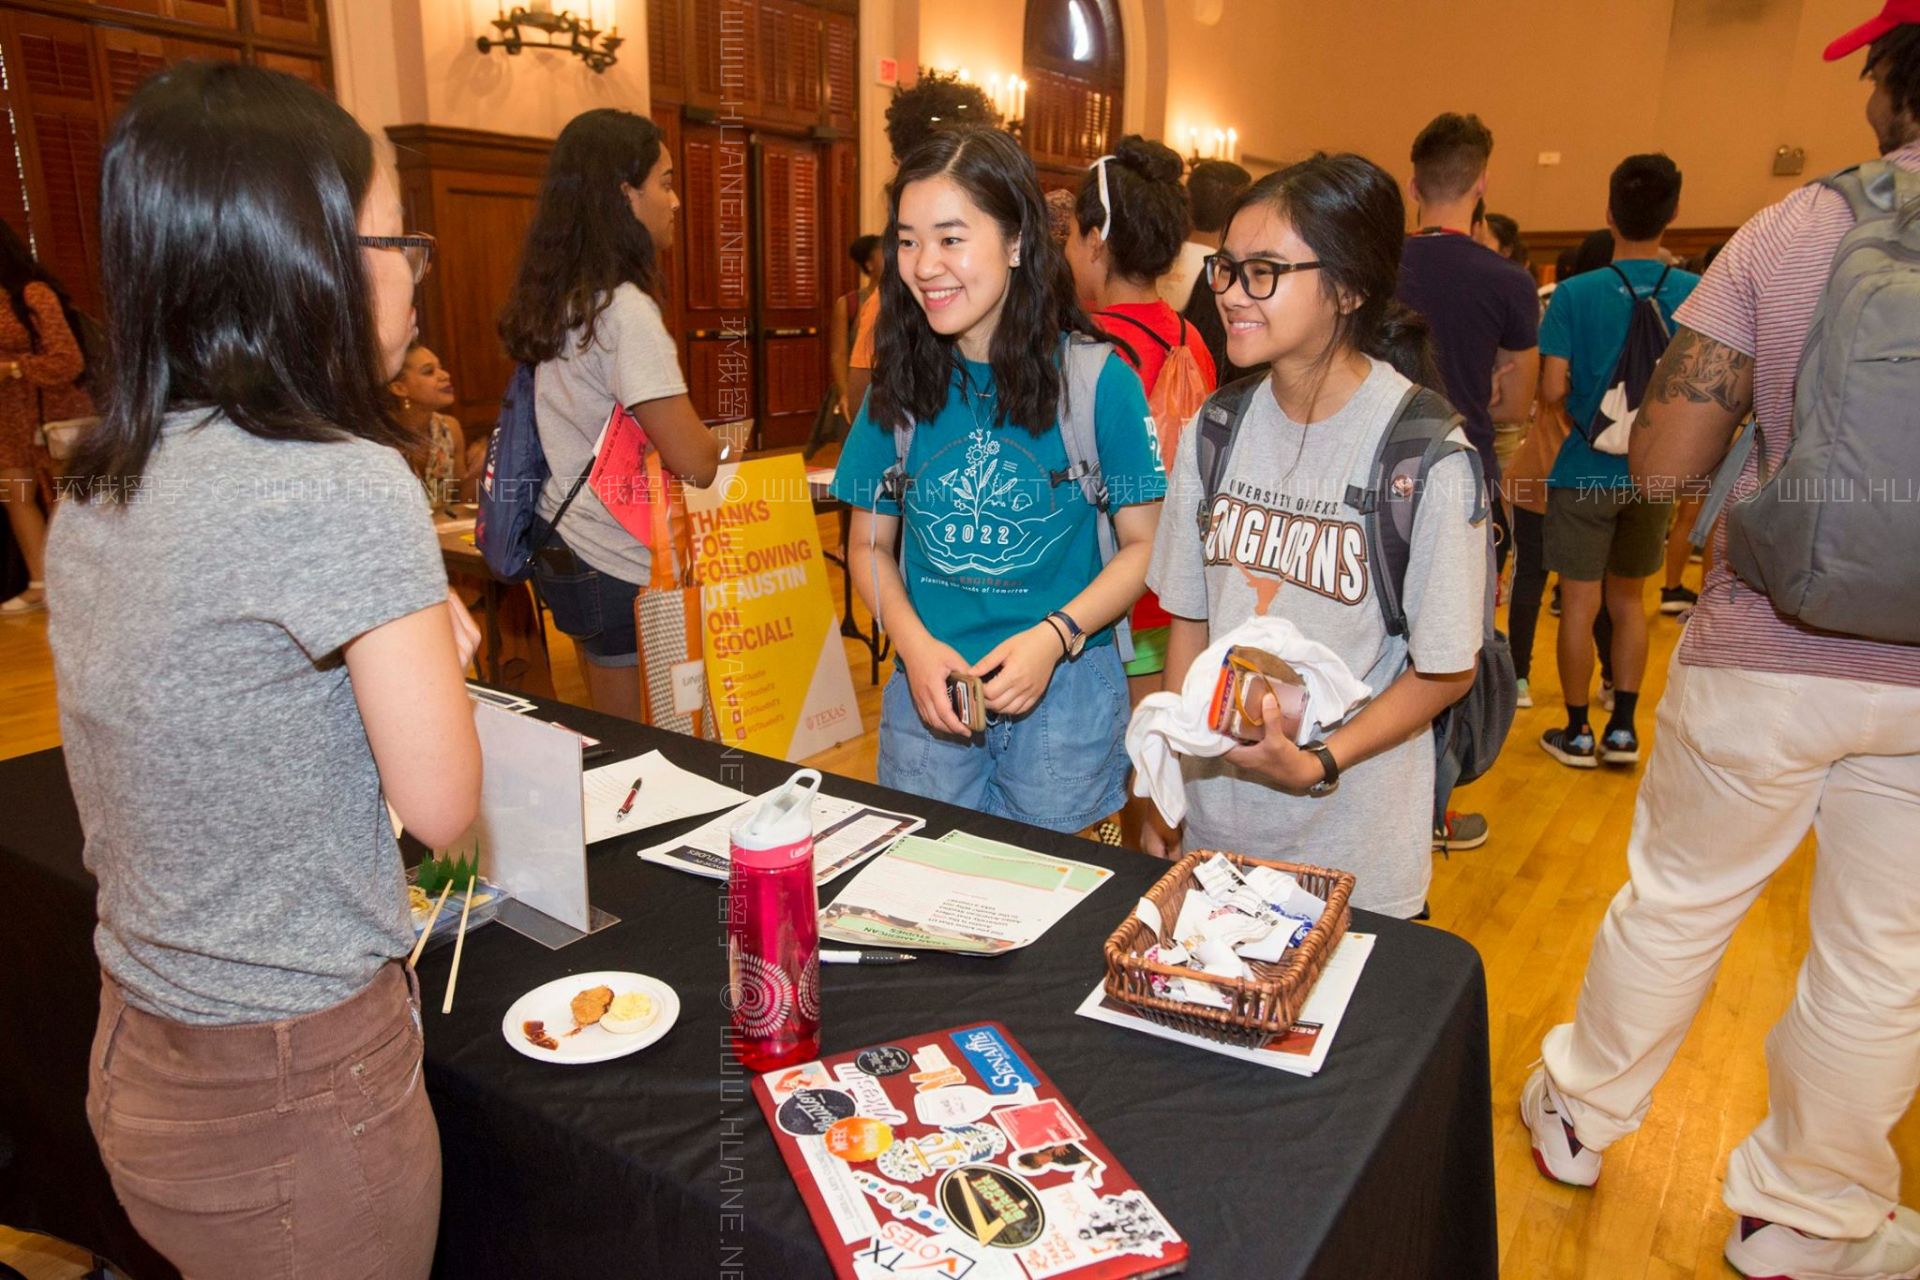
point(583, 312)
point(1305, 282)
point(1129, 223)
point(974, 541)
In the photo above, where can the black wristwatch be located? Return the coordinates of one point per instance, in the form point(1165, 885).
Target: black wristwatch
point(1331, 782)
point(1070, 633)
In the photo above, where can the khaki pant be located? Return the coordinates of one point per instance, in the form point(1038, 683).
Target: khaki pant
point(296, 1148)
point(1744, 764)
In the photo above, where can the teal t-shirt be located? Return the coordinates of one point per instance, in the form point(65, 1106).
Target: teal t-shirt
point(1586, 325)
point(992, 544)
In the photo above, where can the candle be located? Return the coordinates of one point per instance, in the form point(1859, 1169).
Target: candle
point(1233, 145)
point(1020, 102)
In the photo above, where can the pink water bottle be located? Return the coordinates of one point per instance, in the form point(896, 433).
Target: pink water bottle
point(773, 930)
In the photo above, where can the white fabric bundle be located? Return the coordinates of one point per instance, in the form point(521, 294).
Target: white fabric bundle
point(1166, 726)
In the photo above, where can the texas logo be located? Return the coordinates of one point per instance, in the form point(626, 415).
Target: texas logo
point(1327, 557)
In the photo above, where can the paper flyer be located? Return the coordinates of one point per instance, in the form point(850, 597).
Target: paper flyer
point(964, 894)
point(845, 834)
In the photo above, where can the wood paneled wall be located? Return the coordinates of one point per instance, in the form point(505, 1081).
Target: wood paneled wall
point(70, 67)
point(475, 192)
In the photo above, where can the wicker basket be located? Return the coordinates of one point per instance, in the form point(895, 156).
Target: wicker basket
point(1262, 1006)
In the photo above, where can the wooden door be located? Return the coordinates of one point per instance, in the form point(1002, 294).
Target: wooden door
point(789, 189)
point(716, 264)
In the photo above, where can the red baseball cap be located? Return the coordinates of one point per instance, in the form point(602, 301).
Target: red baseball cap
point(1895, 14)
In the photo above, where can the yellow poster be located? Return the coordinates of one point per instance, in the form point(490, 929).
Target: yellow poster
point(776, 667)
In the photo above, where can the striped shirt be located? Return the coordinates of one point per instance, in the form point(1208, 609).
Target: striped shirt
point(1759, 298)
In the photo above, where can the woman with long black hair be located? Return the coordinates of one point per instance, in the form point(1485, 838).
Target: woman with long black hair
point(257, 655)
point(584, 311)
point(984, 561)
point(1305, 281)
point(42, 375)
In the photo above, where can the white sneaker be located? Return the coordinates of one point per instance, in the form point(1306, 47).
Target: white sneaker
point(1762, 1250)
point(32, 600)
point(1556, 1150)
point(1523, 695)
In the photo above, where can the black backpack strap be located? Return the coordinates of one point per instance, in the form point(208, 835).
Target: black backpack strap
point(1219, 420)
point(1145, 328)
point(1413, 444)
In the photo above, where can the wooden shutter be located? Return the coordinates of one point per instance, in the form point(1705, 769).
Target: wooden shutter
point(666, 52)
point(210, 13)
point(281, 19)
point(790, 231)
point(789, 58)
point(841, 37)
point(61, 90)
point(726, 53)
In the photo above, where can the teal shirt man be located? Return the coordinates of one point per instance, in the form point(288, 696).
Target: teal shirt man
point(1586, 325)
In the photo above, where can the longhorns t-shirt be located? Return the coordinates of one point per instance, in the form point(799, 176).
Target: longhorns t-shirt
point(1284, 542)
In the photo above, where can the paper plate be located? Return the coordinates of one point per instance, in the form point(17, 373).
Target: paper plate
point(551, 1004)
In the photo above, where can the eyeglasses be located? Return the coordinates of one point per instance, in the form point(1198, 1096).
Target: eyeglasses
point(417, 245)
point(1258, 276)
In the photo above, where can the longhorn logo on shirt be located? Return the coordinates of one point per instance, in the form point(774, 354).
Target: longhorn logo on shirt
point(1325, 556)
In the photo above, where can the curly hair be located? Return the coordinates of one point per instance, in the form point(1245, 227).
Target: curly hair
point(937, 100)
point(584, 240)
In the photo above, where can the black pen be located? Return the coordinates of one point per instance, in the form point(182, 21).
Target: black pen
point(865, 957)
point(600, 752)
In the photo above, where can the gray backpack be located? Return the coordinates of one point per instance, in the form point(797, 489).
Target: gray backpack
point(1082, 361)
point(1833, 535)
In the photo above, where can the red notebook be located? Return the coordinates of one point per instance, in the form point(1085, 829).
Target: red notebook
point(950, 1154)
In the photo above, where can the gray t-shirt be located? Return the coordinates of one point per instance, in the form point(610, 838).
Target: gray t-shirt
point(1286, 544)
point(231, 805)
point(631, 360)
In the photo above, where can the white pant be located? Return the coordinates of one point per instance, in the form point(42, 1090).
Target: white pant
point(1744, 763)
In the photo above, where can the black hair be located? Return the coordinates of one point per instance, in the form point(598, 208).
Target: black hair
point(1643, 195)
point(1563, 262)
point(862, 249)
point(1149, 211)
point(914, 367)
point(234, 280)
point(935, 101)
point(1895, 58)
point(584, 241)
point(1507, 232)
point(1350, 212)
point(1212, 188)
point(1592, 253)
point(1449, 155)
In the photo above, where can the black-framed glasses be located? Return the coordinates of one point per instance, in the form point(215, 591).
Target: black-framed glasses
point(416, 245)
point(1258, 276)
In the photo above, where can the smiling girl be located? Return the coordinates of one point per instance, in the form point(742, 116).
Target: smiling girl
point(1305, 283)
point(1001, 575)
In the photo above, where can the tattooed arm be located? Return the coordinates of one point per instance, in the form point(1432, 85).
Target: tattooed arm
point(1701, 390)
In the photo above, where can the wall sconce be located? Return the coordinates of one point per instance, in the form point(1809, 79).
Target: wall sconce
point(1212, 144)
point(581, 37)
point(1007, 94)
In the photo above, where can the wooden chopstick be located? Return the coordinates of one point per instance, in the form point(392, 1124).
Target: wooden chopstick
point(432, 920)
point(459, 945)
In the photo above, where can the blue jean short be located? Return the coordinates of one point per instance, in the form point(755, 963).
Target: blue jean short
point(594, 608)
point(1062, 765)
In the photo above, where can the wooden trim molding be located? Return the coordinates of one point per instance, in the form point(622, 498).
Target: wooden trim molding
point(1545, 246)
point(438, 147)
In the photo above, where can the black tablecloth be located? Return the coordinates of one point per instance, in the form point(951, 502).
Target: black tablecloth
point(659, 1164)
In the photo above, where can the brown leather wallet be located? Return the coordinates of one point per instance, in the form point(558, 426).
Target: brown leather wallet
point(969, 701)
point(1247, 675)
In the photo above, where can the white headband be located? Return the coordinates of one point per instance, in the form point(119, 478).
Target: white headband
point(1106, 205)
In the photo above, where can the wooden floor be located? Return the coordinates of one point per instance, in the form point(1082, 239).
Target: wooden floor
point(1529, 900)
